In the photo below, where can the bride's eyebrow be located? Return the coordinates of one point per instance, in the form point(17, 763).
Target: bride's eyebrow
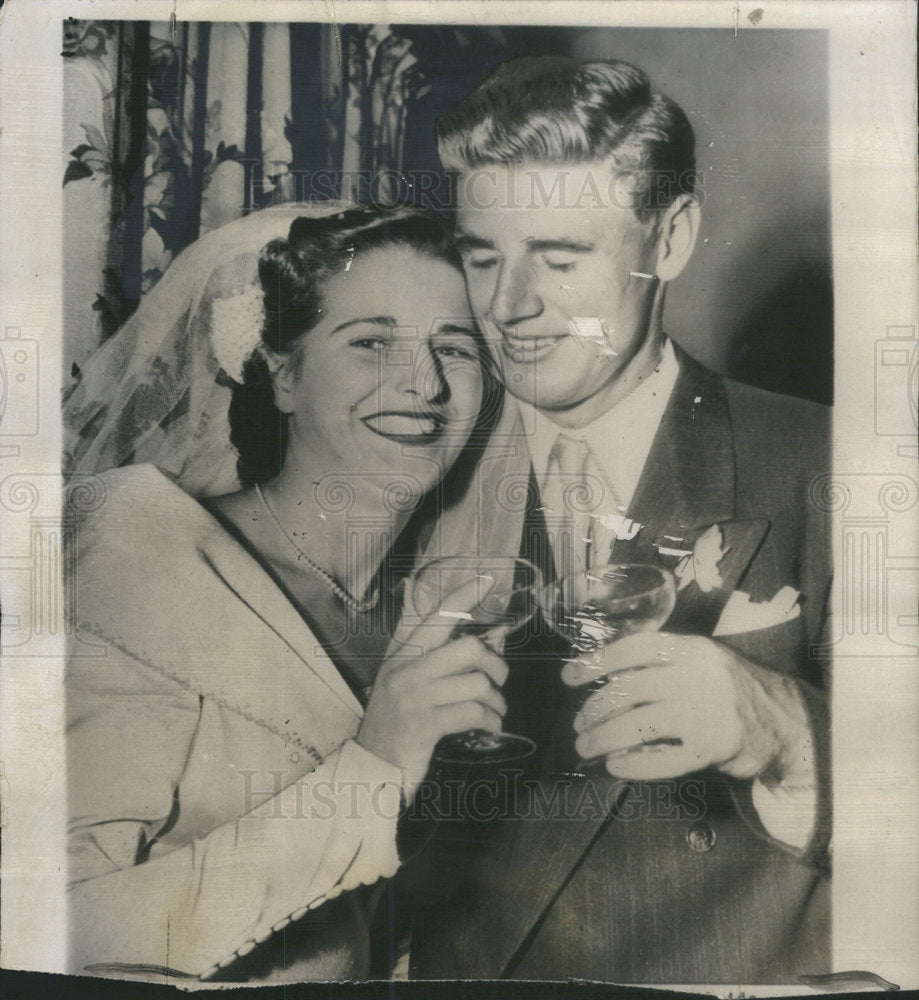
point(465, 242)
point(387, 321)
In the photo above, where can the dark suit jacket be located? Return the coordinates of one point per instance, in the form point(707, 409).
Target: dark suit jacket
point(662, 882)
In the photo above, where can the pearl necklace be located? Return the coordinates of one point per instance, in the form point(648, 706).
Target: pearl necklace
point(348, 599)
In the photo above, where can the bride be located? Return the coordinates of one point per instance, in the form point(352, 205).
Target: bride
point(242, 732)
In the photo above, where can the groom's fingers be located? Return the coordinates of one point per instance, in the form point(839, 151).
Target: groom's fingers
point(631, 688)
point(639, 727)
point(641, 649)
point(652, 763)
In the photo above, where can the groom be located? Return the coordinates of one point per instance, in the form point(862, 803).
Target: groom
point(703, 854)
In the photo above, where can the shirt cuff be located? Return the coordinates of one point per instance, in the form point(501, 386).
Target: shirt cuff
point(787, 811)
point(382, 784)
point(362, 794)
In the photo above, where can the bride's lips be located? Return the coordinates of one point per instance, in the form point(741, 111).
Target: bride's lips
point(526, 350)
point(406, 426)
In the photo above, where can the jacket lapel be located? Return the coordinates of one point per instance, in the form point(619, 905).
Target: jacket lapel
point(689, 476)
point(208, 616)
point(307, 699)
point(688, 486)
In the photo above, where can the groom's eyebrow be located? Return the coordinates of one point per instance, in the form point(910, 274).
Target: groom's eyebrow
point(568, 246)
point(387, 321)
point(466, 241)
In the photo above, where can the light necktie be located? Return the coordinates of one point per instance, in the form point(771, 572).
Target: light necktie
point(571, 492)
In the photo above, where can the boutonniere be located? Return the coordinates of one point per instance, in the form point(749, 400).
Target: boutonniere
point(701, 565)
point(619, 526)
point(714, 607)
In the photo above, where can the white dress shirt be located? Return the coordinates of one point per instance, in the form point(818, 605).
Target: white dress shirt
point(621, 438)
point(619, 442)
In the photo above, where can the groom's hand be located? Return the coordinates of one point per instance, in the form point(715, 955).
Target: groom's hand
point(674, 704)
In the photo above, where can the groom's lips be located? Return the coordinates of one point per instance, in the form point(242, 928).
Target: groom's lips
point(526, 350)
point(406, 426)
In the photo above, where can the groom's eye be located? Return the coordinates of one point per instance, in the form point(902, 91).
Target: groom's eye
point(558, 262)
point(480, 261)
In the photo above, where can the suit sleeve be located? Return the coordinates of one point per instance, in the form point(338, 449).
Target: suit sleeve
point(195, 909)
point(788, 465)
point(796, 815)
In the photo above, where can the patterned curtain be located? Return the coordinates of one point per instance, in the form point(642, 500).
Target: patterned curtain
point(172, 132)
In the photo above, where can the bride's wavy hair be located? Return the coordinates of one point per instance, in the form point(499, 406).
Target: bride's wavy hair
point(293, 273)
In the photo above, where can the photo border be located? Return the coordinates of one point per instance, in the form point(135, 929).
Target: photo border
point(873, 207)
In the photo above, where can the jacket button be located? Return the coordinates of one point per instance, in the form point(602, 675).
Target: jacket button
point(701, 837)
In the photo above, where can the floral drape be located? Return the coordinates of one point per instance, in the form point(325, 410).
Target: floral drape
point(171, 131)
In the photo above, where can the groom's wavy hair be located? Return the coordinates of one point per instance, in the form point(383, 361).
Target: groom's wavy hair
point(547, 110)
point(293, 273)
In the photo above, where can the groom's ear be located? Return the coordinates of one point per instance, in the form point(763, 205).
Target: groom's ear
point(677, 235)
point(283, 372)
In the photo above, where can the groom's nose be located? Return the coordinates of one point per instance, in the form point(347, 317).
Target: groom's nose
point(515, 298)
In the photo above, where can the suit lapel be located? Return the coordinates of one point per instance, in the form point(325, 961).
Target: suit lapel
point(689, 477)
point(689, 485)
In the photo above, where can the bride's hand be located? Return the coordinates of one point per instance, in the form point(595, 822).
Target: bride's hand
point(416, 701)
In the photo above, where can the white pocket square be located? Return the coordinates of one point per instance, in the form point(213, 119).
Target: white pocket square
point(741, 614)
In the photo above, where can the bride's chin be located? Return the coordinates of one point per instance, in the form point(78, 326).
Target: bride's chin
point(413, 473)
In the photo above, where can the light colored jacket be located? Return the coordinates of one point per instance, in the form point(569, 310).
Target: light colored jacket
point(218, 805)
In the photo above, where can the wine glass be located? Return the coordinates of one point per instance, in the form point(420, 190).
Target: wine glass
point(488, 596)
point(592, 608)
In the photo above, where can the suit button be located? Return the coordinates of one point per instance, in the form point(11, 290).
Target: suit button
point(701, 837)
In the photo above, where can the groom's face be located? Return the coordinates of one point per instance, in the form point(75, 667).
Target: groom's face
point(559, 271)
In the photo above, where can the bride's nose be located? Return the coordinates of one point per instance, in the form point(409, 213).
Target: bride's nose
point(424, 379)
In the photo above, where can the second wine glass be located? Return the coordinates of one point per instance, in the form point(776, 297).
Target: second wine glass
point(489, 596)
point(594, 607)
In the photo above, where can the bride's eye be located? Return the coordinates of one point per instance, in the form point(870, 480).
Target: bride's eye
point(455, 351)
point(375, 344)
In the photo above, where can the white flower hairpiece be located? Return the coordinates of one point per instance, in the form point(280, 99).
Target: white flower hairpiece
point(236, 329)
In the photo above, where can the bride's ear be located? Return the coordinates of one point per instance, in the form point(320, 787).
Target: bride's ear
point(679, 230)
point(282, 371)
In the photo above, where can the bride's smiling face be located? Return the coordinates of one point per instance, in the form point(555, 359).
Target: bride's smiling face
point(389, 381)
